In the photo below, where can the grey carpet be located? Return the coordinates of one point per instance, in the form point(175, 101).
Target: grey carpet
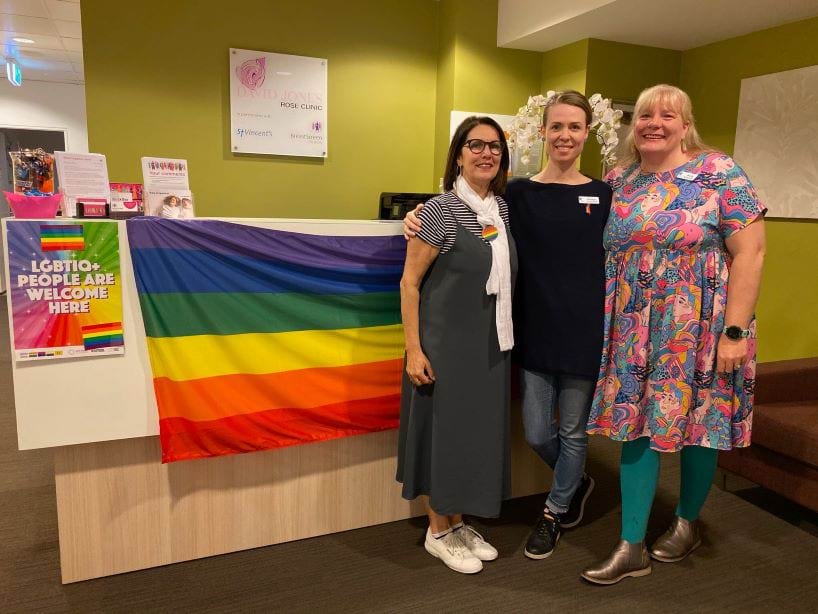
point(751, 561)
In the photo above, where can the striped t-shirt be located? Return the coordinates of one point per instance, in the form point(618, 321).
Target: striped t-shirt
point(441, 215)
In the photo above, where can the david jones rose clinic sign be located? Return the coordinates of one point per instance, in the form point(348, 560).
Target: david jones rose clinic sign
point(278, 104)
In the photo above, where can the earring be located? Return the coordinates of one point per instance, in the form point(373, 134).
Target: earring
point(684, 146)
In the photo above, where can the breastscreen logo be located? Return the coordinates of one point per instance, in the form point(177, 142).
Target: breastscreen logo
point(316, 126)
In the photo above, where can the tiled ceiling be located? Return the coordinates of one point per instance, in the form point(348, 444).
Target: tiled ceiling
point(54, 26)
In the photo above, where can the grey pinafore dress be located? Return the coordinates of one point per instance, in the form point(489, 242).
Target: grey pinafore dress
point(454, 434)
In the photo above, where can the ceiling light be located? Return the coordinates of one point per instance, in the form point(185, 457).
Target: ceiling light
point(22, 40)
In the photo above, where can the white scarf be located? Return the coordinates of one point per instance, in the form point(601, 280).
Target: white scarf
point(499, 281)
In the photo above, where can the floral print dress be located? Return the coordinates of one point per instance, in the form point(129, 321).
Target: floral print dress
point(667, 272)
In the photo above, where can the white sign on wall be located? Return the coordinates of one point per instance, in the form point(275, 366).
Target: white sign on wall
point(457, 117)
point(278, 104)
point(775, 140)
point(533, 162)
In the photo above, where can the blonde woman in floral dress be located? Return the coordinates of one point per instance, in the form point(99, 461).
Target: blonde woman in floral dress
point(685, 247)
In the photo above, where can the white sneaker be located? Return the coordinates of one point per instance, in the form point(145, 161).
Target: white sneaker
point(453, 552)
point(478, 546)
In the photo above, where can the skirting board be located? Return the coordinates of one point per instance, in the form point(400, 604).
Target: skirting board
point(119, 509)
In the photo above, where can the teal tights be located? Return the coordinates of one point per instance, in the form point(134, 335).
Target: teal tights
point(639, 472)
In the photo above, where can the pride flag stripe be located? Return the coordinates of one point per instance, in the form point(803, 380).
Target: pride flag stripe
point(62, 246)
point(231, 395)
point(228, 239)
point(60, 230)
point(173, 270)
point(276, 428)
point(104, 327)
point(184, 358)
point(58, 240)
point(220, 313)
point(103, 341)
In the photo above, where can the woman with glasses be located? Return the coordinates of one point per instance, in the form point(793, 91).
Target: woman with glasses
point(557, 219)
point(456, 306)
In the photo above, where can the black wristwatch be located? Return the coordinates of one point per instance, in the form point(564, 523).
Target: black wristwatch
point(736, 332)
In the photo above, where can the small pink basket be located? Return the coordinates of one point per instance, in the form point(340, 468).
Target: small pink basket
point(33, 207)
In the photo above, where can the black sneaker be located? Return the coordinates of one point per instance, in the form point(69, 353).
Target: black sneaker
point(543, 538)
point(573, 516)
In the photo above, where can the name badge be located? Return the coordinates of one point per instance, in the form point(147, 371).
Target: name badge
point(589, 200)
point(687, 175)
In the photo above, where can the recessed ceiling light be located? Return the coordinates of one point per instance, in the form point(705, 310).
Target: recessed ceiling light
point(22, 40)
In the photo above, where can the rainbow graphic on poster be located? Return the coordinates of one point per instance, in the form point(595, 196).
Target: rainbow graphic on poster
point(102, 335)
point(66, 289)
point(61, 237)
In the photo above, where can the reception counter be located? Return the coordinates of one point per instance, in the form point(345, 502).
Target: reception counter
point(120, 509)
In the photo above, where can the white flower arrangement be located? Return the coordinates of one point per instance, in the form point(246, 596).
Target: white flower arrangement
point(525, 129)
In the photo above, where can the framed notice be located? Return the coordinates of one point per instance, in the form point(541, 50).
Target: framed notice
point(775, 140)
point(82, 177)
point(66, 289)
point(278, 104)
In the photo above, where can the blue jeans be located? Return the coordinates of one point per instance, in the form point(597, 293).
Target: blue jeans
point(562, 443)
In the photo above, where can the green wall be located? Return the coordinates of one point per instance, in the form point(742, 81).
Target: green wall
point(565, 68)
point(489, 79)
point(788, 327)
point(475, 75)
point(444, 103)
point(620, 72)
point(161, 89)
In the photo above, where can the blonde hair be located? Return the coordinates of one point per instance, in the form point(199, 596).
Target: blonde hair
point(670, 97)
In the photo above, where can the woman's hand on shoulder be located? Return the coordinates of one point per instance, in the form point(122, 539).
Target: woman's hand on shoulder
point(418, 368)
point(411, 223)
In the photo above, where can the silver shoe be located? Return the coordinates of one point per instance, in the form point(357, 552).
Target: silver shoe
point(626, 560)
point(682, 538)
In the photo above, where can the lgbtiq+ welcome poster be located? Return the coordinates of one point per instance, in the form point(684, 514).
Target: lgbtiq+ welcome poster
point(66, 289)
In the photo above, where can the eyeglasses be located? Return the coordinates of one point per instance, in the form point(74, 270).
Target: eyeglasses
point(477, 146)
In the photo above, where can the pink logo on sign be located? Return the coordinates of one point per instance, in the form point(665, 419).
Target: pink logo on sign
point(251, 73)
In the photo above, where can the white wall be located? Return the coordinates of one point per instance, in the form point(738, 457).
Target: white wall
point(38, 104)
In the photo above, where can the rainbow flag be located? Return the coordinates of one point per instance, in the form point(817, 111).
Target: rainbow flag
point(107, 335)
point(56, 237)
point(261, 338)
